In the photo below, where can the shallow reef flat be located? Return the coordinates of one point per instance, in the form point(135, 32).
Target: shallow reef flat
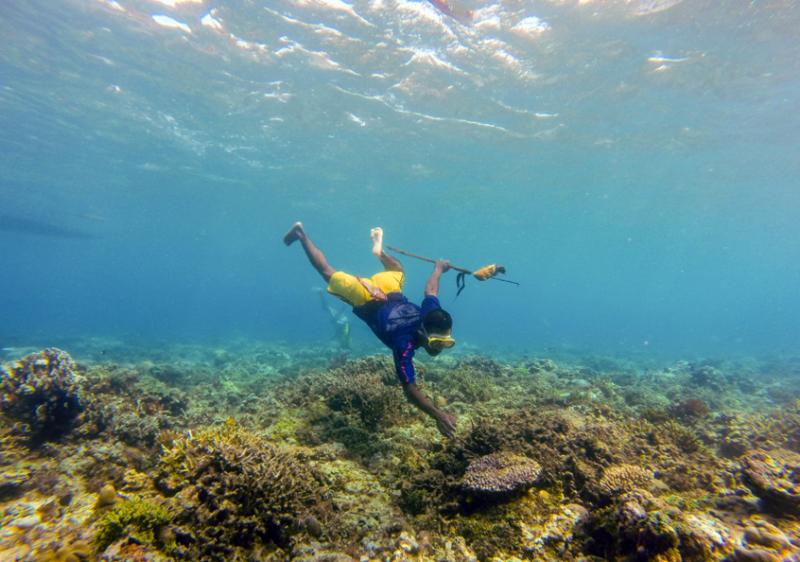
point(273, 452)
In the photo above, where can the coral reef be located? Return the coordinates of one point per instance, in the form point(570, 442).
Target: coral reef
point(41, 392)
point(125, 405)
point(257, 451)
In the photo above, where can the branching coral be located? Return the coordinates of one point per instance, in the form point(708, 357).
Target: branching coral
point(683, 437)
point(235, 489)
point(42, 391)
point(363, 393)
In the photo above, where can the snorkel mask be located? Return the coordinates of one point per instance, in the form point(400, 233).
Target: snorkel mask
point(437, 342)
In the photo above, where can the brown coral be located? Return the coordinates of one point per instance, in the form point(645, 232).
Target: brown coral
point(689, 410)
point(622, 478)
point(500, 473)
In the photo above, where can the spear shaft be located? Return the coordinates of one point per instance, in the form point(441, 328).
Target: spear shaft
point(431, 260)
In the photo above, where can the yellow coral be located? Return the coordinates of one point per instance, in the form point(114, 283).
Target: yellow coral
point(137, 515)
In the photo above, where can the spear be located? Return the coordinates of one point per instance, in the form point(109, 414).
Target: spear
point(486, 272)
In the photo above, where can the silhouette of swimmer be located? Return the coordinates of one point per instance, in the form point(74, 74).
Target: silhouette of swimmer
point(341, 324)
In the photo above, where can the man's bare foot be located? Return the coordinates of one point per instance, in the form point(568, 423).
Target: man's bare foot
point(293, 234)
point(377, 240)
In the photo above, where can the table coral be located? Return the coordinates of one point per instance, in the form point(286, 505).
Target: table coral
point(42, 391)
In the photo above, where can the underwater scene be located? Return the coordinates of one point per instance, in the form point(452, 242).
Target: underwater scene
point(399, 280)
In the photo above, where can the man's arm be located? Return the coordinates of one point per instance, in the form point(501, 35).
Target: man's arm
point(444, 421)
point(432, 284)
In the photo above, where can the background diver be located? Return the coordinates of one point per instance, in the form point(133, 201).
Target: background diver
point(400, 325)
point(339, 320)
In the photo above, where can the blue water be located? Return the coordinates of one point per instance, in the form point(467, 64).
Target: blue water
point(634, 165)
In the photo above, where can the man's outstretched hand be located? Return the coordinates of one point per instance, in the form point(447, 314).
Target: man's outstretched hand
point(443, 265)
point(446, 423)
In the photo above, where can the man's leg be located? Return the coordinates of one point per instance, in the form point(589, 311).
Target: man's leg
point(390, 263)
point(315, 255)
